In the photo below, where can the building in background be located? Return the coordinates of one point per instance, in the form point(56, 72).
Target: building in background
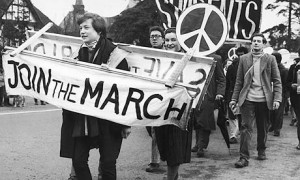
point(17, 16)
point(69, 23)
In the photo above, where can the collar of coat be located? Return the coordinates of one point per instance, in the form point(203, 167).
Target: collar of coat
point(103, 48)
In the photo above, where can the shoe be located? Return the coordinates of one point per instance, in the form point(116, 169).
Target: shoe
point(298, 147)
point(233, 140)
point(152, 167)
point(261, 155)
point(194, 149)
point(276, 133)
point(242, 162)
point(99, 177)
point(293, 121)
point(72, 178)
point(271, 129)
point(200, 152)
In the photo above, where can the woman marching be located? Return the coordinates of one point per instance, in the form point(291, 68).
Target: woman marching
point(174, 144)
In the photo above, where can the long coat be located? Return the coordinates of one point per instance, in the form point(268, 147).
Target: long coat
point(204, 116)
point(268, 73)
point(73, 123)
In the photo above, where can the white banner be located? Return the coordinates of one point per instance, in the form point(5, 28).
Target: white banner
point(49, 72)
point(90, 89)
point(146, 62)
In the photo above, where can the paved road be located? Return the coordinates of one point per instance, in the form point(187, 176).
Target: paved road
point(29, 150)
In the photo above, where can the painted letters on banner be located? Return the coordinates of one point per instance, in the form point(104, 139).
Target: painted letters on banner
point(148, 62)
point(84, 88)
point(136, 98)
point(243, 16)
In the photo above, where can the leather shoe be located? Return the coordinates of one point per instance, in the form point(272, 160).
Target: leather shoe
point(293, 121)
point(276, 133)
point(200, 152)
point(194, 149)
point(271, 129)
point(233, 140)
point(261, 155)
point(242, 162)
point(152, 167)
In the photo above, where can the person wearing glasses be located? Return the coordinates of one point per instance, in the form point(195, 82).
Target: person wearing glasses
point(156, 36)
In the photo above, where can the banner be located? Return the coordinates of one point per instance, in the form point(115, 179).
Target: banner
point(243, 16)
point(48, 71)
point(90, 89)
point(145, 62)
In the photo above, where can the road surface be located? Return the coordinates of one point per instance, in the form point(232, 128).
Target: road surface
point(29, 150)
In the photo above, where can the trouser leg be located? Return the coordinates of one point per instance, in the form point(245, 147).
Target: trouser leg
point(72, 174)
point(248, 119)
point(2, 95)
point(295, 102)
point(203, 138)
point(155, 158)
point(109, 149)
point(262, 121)
point(279, 115)
point(197, 137)
point(80, 159)
point(233, 127)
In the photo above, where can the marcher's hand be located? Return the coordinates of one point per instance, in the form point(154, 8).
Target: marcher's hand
point(276, 105)
point(219, 97)
point(294, 85)
point(232, 104)
point(125, 132)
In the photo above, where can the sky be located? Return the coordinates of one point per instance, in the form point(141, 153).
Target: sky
point(56, 10)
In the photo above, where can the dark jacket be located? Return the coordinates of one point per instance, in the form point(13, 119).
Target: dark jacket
point(230, 79)
point(284, 74)
point(204, 117)
point(292, 77)
point(73, 122)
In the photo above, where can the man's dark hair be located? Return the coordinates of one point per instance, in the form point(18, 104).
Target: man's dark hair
point(242, 49)
point(157, 28)
point(259, 35)
point(278, 57)
point(98, 22)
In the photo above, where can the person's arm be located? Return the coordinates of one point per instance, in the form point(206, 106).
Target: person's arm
point(289, 80)
point(239, 81)
point(229, 77)
point(126, 130)
point(220, 79)
point(276, 79)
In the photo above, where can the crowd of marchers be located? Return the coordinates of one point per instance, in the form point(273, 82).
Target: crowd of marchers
point(254, 86)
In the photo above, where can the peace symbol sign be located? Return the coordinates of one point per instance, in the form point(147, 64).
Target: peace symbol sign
point(202, 27)
point(232, 53)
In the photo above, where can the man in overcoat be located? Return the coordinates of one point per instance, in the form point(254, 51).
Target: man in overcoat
point(257, 90)
point(204, 116)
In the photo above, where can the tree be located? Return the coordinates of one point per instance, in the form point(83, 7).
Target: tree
point(133, 24)
point(291, 10)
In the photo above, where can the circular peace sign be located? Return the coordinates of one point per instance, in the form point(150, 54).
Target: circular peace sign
point(202, 27)
point(232, 53)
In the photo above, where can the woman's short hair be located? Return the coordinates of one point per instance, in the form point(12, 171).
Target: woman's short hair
point(98, 22)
